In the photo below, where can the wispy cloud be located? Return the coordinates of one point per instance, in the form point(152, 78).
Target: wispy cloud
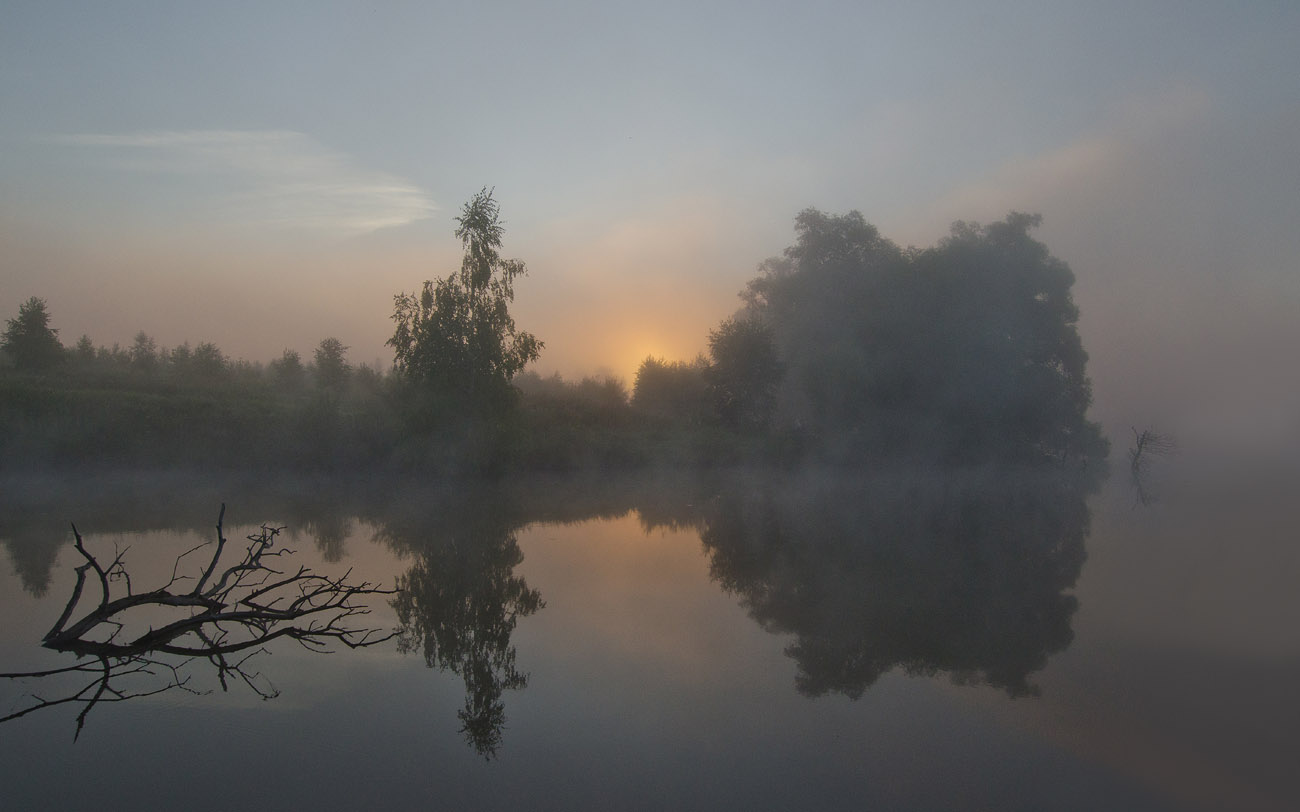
point(279, 178)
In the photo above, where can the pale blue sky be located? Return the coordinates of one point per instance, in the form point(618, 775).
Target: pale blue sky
point(265, 174)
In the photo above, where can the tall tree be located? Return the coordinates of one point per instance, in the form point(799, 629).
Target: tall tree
point(456, 339)
point(29, 340)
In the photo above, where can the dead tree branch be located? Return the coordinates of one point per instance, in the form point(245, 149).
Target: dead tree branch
point(233, 608)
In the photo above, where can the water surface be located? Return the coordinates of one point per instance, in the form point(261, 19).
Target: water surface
point(916, 640)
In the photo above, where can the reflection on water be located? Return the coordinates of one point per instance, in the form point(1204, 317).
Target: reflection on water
point(459, 604)
point(648, 666)
point(965, 573)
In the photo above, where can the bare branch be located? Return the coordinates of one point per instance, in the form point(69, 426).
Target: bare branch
point(249, 605)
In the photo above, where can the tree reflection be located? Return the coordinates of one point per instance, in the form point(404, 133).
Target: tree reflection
point(964, 573)
point(459, 603)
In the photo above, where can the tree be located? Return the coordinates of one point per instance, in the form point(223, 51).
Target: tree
point(456, 340)
point(30, 341)
point(288, 369)
point(84, 351)
point(965, 352)
point(209, 362)
point(332, 368)
point(144, 352)
point(744, 373)
point(672, 389)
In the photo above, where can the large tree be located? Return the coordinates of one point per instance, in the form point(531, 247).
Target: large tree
point(965, 352)
point(29, 340)
point(456, 339)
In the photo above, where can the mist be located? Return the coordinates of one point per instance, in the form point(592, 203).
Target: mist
point(884, 392)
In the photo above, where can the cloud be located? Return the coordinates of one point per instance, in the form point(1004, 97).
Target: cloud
point(276, 178)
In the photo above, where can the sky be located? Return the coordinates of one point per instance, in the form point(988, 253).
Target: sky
point(264, 175)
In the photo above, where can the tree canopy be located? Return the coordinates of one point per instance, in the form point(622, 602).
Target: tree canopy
point(29, 340)
point(966, 351)
point(456, 339)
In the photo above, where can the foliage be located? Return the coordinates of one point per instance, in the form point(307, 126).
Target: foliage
point(966, 351)
point(675, 390)
point(331, 364)
point(144, 352)
point(744, 373)
point(287, 370)
point(456, 341)
point(30, 341)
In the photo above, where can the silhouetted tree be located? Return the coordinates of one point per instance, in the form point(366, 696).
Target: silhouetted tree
point(144, 352)
point(209, 362)
point(29, 340)
point(288, 369)
point(672, 389)
point(456, 340)
point(967, 351)
point(745, 373)
point(331, 364)
point(84, 351)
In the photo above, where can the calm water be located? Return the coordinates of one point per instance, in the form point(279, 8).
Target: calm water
point(912, 641)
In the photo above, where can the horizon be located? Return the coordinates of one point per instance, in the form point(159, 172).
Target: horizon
point(262, 178)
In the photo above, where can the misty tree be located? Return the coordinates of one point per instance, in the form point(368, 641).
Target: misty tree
point(966, 351)
point(83, 352)
point(331, 364)
point(456, 340)
point(143, 352)
point(209, 362)
point(744, 373)
point(29, 340)
point(288, 370)
point(672, 389)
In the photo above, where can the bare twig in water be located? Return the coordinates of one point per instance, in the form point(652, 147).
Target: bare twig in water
point(233, 609)
point(1147, 444)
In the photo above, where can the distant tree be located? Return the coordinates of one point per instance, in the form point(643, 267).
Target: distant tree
point(84, 350)
point(181, 357)
point(210, 363)
point(456, 340)
point(288, 370)
point(30, 341)
point(144, 352)
point(672, 389)
point(744, 373)
point(331, 364)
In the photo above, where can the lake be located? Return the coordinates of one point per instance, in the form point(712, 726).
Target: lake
point(905, 640)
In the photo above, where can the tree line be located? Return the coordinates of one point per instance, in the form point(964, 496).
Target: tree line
point(847, 349)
